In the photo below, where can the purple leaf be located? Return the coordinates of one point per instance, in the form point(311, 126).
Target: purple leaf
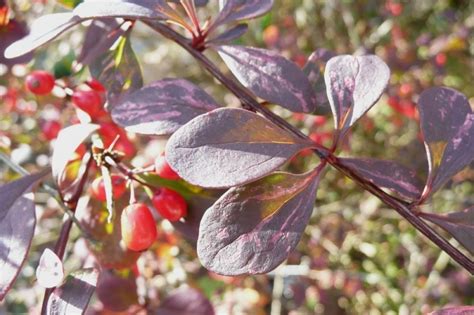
point(74, 295)
point(43, 30)
point(237, 10)
point(198, 3)
point(388, 174)
point(131, 9)
point(69, 139)
point(271, 77)
point(17, 226)
point(162, 107)
point(16, 31)
point(229, 147)
point(447, 124)
point(100, 36)
point(315, 75)
point(354, 84)
point(118, 70)
point(252, 229)
point(459, 224)
point(185, 301)
point(230, 34)
point(455, 310)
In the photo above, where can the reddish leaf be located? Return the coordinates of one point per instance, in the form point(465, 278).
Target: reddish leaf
point(43, 30)
point(388, 174)
point(447, 123)
point(455, 310)
point(69, 139)
point(315, 75)
point(15, 31)
point(74, 295)
point(271, 77)
point(230, 34)
point(459, 224)
point(185, 301)
point(132, 9)
point(160, 108)
point(17, 226)
point(237, 10)
point(252, 229)
point(100, 36)
point(229, 147)
point(354, 84)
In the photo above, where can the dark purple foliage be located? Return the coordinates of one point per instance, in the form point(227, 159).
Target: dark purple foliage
point(16, 31)
point(17, 226)
point(354, 84)
point(270, 76)
point(229, 147)
point(458, 224)
point(388, 174)
point(161, 107)
point(185, 301)
point(237, 10)
point(447, 124)
point(252, 229)
point(229, 35)
point(74, 295)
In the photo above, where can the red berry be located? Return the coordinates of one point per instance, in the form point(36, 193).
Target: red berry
point(163, 169)
point(50, 129)
point(88, 101)
point(169, 204)
point(96, 85)
point(40, 82)
point(138, 227)
point(118, 187)
point(441, 59)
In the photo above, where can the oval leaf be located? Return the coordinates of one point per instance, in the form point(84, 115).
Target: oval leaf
point(132, 9)
point(388, 174)
point(252, 229)
point(271, 77)
point(229, 147)
point(162, 107)
point(74, 295)
point(17, 226)
point(16, 31)
point(447, 124)
point(455, 310)
point(459, 224)
point(185, 301)
point(69, 139)
point(237, 10)
point(50, 271)
point(230, 34)
point(43, 30)
point(354, 84)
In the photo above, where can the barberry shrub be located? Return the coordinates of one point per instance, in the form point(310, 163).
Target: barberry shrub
point(252, 226)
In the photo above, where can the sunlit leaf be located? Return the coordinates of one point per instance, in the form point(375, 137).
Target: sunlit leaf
point(118, 70)
point(74, 295)
point(49, 272)
point(447, 124)
point(455, 310)
point(43, 30)
point(354, 84)
point(161, 107)
point(388, 174)
point(230, 34)
point(16, 31)
point(185, 301)
point(270, 76)
point(69, 139)
point(253, 228)
point(228, 147)
point(459, 224)
point(17, 226)
point(237, 10)
point(132, 9)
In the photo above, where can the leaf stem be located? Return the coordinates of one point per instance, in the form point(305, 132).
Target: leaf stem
point(403, 208)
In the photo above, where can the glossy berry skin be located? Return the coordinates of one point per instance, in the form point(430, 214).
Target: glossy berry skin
point(88, 101)
point(96, 85)
point(169, 204)
point(50, 129)
point(118, 187)
point(40, 82)
point(163, 169)
point(138, 227)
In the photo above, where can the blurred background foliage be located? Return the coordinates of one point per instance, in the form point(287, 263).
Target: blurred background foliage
point(357, 256)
